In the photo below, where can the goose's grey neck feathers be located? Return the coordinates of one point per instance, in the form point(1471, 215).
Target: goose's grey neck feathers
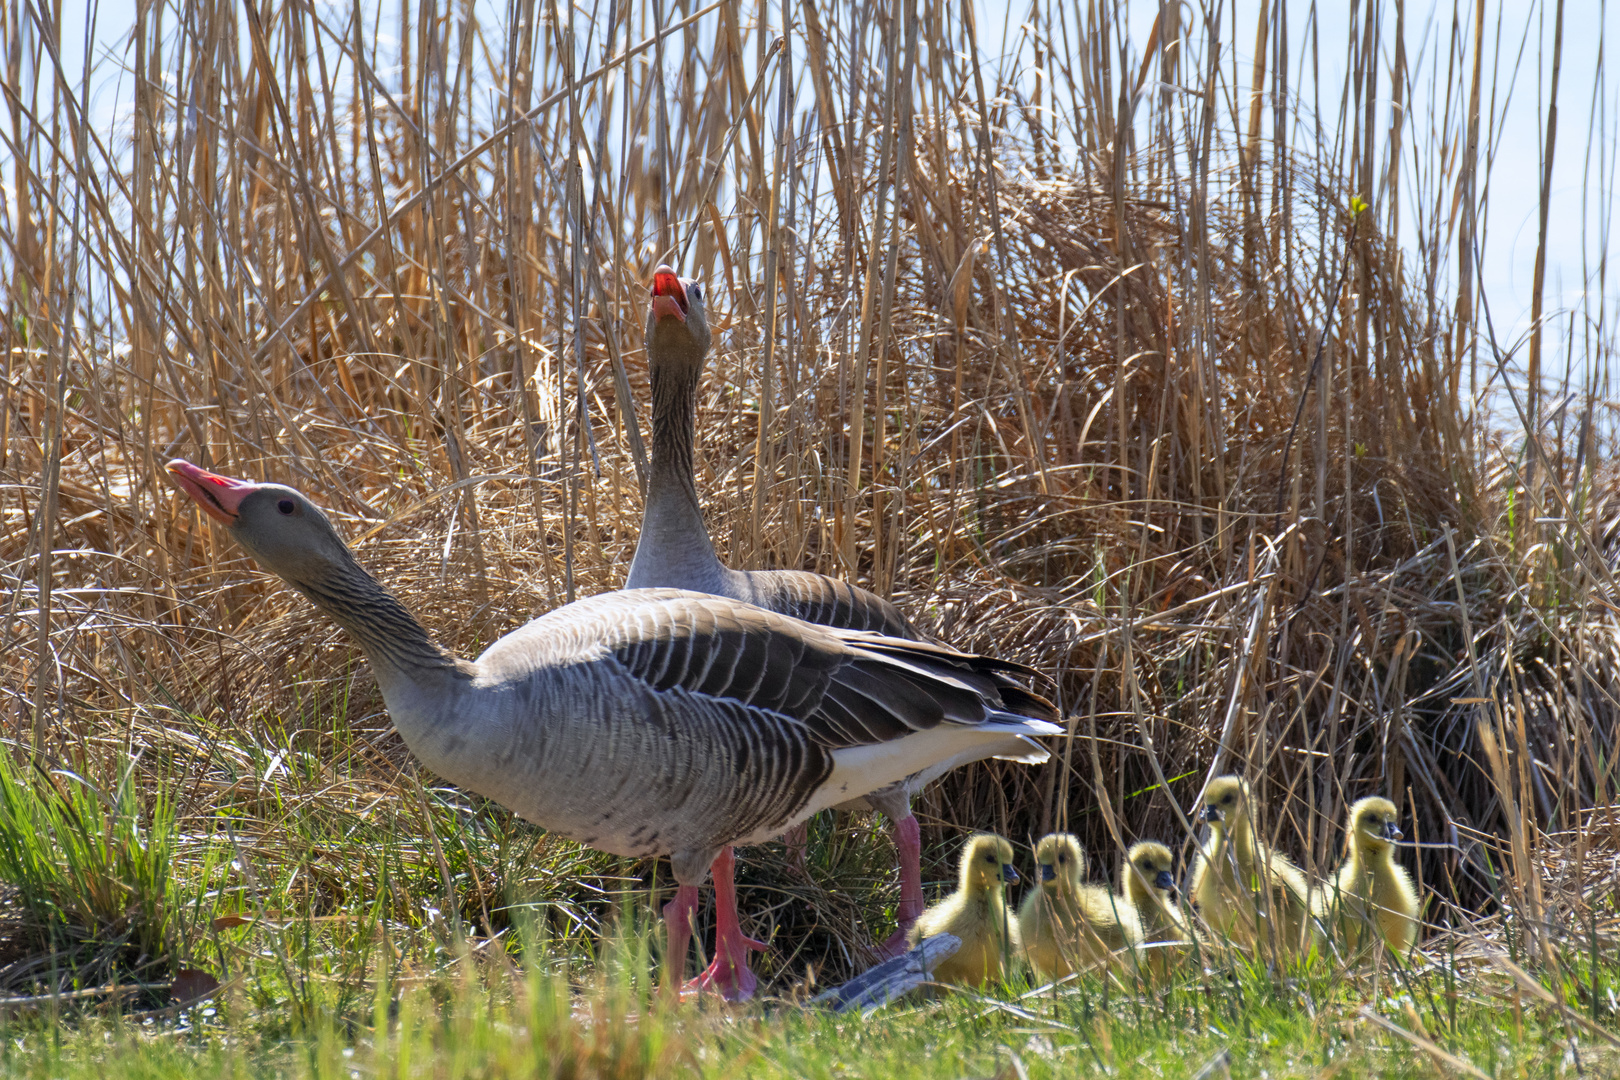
point(673, 544)
point(390, 635)
point(674, 549)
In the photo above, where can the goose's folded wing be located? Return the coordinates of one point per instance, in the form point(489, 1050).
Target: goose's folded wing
point(847, 688)
point(998, 680)
point(726, 649)
point(827, 601)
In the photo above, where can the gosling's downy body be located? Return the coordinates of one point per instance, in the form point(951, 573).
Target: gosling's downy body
point(1241, 885)
point(1066, 924)
point(1150, 886)
point(977, 914)
point(1371, 890)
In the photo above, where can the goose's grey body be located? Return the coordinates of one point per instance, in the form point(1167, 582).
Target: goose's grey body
point(671, 722)
point(644, 722)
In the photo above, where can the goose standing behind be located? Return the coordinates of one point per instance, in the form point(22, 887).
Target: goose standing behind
point(1067, 925)
point(647, 722)
point(1227, 879)
point(674, 551)
point(977, 914)
point(1372, 894)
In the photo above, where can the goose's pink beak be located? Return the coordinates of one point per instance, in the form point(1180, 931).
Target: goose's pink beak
point(219, 496)
point(668, 294)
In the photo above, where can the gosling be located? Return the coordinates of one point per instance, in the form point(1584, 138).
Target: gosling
point(1371, 889)
point(1148, 885)
point(1066, 924)
point(1230, 870)
point(977, 914)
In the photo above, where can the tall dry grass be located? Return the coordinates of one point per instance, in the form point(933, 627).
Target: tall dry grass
point(1082, 356)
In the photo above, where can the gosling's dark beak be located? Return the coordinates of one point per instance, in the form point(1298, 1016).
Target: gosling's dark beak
point(1164, 881)
point(1048, 871)
point(1393, 831)
point(1008, 874)
point(1212, 813)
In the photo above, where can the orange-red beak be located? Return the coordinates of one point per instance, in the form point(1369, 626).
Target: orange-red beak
point(219, 496)
point(668, 294)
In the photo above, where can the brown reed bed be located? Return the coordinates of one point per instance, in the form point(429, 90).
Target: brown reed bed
point(1093, 367)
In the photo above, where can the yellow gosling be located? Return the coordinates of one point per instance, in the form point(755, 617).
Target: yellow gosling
point(1232, 867)
point(1148, 885)
point(1371, 889)
point(1066, 924)
point(977, 914)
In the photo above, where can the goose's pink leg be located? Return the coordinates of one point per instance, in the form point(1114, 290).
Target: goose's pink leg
point(729, 974)
point(678, 923)
point(908, 839)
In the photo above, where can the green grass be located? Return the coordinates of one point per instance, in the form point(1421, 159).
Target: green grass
point(361, 926)
point(95, 868)
point(408, 932)
point(483, 1019)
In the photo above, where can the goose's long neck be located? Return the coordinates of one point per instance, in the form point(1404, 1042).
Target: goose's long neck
point(988, 893)
point(1062, 888)
point(398, 646)
point(673, 550)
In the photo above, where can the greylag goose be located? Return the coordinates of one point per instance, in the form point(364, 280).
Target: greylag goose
point(674, 551)
point(1150, 886)
point(646, 722)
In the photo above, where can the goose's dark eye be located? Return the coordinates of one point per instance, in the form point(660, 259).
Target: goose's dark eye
point(287, 506)
point(989, 858)
point(1063, 860)
point(696, 290)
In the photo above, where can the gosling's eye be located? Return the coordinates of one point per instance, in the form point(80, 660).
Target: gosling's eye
point(287, 506)
point(1063, 860)
point(989, 858)
point(696, 290)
